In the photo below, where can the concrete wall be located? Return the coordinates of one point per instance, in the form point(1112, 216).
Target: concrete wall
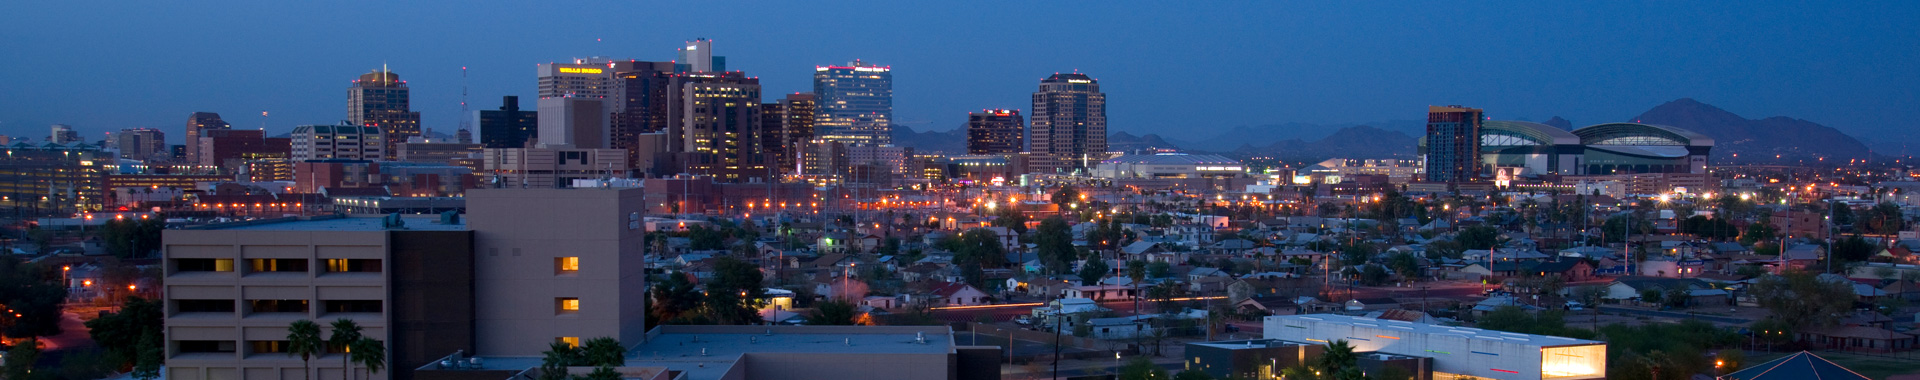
point(241, 326)
point(432, 297)
point(1452, 353)
point(830, 366)
point(518, 234)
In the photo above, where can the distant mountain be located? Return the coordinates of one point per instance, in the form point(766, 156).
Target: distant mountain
point(1755, 139)
point(949, 142)
point(1125, 142)
point(1351, 142)
point(1558, 122)
point(1264, 135)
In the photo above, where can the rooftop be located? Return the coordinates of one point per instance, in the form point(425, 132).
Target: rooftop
point(1422, 328)
point(352, 223)
point(707, 352)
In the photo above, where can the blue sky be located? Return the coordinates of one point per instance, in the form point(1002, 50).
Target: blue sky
point(1177, 68)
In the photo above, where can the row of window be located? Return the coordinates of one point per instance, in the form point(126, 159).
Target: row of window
point(277, 265)
point(280, 306)
point(253, 346)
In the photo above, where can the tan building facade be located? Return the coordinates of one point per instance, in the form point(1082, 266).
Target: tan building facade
point(557, 265)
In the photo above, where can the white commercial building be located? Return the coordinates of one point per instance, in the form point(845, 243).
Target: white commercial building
point(344, 142)
point(1169, 165)
point(1456, 351)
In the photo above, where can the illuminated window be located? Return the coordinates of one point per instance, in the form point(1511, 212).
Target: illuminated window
point(569, 340)
point(566, 265)
point(566, 305)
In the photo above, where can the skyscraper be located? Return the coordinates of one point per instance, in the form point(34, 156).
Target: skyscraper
point(140, 143)
point(576, 103)
point(1069, 123)
point(197, 125)
point(995, 132)
point(639, 105)
point(697, 57)
point(1453, 144)
point(855, 103)
point(714, 123)
point(380, 99)
point(344, 142)
point(62, 134)
point(508, 127)
point(789, 131)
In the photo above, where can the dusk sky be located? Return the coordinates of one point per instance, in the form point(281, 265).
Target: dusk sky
point(1186, 70)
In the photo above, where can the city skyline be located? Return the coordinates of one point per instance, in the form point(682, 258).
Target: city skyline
point(1855, 56)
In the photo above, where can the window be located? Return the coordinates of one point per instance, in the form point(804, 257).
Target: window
point(351, 306)
point(277, 306)
point(207, 346)
point(267, 346)
point(203, 306)
point(566, 265)
point(566, 305)
point(353, 265)
point(203, 265)
point(569, 340)
point(276, 265)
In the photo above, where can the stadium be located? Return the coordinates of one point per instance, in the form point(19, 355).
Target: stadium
point(1602, 149)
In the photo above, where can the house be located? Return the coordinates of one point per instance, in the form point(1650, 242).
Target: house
point(1205, 272)
point(1858, 338)
point(1209, 285)
point(1630, 287)
point(835, 242)
point(1269, 305)
point(1099, 292)
point(957, 294)
point(1068, 311)
point(1129, 327)
point(1232, 246)
point(1569, 269)
point(1245, 288)
point(880, 302)
point(1359, 304)
point(919, 271)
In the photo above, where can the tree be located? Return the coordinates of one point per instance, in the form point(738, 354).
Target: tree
point(1677, 297)
point(345, 333)
point(558, 356)
point(1054, 240)
point(1094, 269)
point(1139, 368)
point(1159, 269)
point(1011, 218)
point(674, 299)
point(1225, 264)
point(1616, 230)
point(120, 333)
point(1478, 237)
point(1801, 300)
point(1339, 355)
point(979, 246)
point(1884, 219)
point(1374, 275)
point(702, 238)
point(1440, 249)
point(1852, 250)
point(146, 364)
point(1405, 264)
point(603, 351)
point(1067, 195)
point(832, 313)
point(303, 340)
point(132, 238)
point(369, 354)
point(735, 295)
point(1759, 232)
point(21, 357)
point(33, 293)
point(1652, 296)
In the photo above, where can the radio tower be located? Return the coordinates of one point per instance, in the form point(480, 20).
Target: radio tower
point(465, 135)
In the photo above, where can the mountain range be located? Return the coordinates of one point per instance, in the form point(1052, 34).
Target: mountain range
point(1736, 138)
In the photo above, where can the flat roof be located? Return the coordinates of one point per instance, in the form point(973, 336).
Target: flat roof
point(350, 223)
point(1422, 328)
point(707, 352)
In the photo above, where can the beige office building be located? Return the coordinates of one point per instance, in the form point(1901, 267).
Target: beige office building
point(557, 265)
point(548, 168)
point(232, 291)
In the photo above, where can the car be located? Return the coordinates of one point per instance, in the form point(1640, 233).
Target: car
point(1023, 320)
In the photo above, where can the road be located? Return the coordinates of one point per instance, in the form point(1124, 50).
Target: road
point(1669, 314)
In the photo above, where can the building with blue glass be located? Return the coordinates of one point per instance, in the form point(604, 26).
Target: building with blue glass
point(854, 103)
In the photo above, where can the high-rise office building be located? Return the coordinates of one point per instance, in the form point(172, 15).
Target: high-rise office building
point(697, 57)
point(1453, 144)
point(50, 178)
point(855, 103)
point(1069, 123)
point(508, 127)
point(62, 134)
point(380, 99)
point(995, 132)
point(639, 105)
point(140, 143)
point(339, 142)
point(714, 125)
point(197, 124)
point(789, 125)
point(575, 103)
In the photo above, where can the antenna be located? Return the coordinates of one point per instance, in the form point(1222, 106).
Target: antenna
point(465, 134)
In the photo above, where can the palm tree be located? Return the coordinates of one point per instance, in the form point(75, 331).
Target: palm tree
point(604, 351)
point(345, 332)
point(1339, 355)
point(371, 354)
point(303, 340)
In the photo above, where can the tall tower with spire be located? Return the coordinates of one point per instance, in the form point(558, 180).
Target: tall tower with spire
point(380, 99)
